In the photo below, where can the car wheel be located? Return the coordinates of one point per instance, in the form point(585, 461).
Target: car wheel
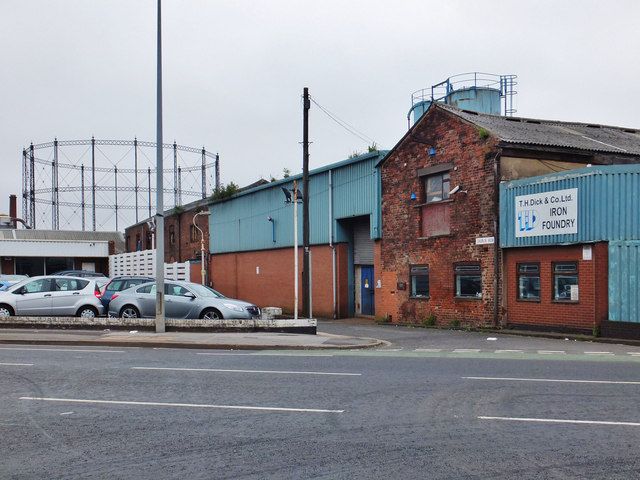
point(129, 311)
point(5, 311)
point(87, 312)
point(211, 314)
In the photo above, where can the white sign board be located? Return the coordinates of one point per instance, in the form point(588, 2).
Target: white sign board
point(485, 240)
point(550, 213)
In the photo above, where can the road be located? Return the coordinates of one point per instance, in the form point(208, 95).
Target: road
point(431, 405)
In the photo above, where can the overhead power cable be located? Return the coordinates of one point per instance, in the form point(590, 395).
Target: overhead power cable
point(348, 127)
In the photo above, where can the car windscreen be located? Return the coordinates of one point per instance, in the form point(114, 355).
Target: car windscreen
point(204, 291)
point(19, 284)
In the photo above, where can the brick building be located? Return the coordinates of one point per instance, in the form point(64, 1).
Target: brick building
point(440, 249)
point(571, 245)
point(181, 237)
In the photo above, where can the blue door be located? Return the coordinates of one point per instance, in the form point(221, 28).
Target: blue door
point(368, 291)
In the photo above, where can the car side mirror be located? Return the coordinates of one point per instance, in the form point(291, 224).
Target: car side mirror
point(189, 295)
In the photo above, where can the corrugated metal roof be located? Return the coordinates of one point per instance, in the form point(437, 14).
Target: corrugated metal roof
point(581, 136)
point(240, 223)
point(65, 235)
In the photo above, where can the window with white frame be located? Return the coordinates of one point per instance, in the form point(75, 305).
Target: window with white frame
point(468, 281)
point(565, 281)
point(419, 275)
point(528, 281)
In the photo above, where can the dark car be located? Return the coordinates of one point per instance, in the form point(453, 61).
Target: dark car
point(118, 284)
point(80, 273)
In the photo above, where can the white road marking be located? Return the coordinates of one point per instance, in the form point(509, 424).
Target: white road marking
point(466, 350)
point(551, 352)
point(598, 353)
point(73, 350)
point(552, 380)
point(221, 370)
point(432, 350)
point(509, 351)
point(265, 354)
point(635, 354)
point(557, 420)
point(17, 364)
point(186, 405)
point(66, 413)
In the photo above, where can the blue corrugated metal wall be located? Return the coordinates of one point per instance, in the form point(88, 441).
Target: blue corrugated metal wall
point(624, 281)
point(241, 222)
point(608, 205)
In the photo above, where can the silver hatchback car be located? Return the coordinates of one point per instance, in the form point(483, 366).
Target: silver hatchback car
point(52, 295)
point(182, 300)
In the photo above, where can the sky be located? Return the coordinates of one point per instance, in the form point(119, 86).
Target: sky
point(234, 73)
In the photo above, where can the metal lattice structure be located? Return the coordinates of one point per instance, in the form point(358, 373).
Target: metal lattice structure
point(107, 184)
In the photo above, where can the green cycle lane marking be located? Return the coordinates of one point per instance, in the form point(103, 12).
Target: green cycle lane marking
point(462, 354)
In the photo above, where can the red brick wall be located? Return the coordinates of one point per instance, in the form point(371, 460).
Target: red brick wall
point(183, 248)
point(235, 275)
point(592, 306)
point(471, 216)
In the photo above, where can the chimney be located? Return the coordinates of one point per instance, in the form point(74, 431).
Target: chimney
point(13, 210)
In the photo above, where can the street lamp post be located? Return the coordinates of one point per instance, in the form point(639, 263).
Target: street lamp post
point(202, 271)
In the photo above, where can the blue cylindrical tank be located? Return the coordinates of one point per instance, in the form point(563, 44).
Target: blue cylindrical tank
point(475, 91)
point(476, 99)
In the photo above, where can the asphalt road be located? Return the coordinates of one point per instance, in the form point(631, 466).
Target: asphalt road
point(431, 409)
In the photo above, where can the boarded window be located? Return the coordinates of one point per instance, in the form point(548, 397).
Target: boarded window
point(436, 219)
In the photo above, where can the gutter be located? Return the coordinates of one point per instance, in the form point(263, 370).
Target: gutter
point(496, 234)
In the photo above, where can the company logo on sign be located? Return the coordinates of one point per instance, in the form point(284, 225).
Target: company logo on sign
point(527, 220)
point(550, 213)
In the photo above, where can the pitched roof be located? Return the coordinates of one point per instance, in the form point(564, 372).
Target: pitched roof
point(551, 133)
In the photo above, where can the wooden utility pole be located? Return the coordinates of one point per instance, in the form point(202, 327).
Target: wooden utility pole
point(306, 267)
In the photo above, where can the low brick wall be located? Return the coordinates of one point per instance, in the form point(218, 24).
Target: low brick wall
point(304, 325)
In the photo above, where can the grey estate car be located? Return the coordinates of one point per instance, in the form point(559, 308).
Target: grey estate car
point(181, 300)
point(52, 295)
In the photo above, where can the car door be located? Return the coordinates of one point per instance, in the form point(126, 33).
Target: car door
point(34, 298)
point(145, 300)
point(176, 304)
point(65, 295)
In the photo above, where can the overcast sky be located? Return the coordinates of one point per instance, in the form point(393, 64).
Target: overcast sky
point(234, 71)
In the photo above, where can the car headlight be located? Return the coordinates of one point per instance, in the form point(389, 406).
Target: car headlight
point(234, 307)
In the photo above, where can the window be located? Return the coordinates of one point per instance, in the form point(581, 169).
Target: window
point(151, 288)
point(176, 290)
point(419, 275)
point(528, 281)
point(437, 187)
point(565, 281)
point(193, 233)
point(172, 235)
point(63, 284)
point(468, 281)
point(37, 286)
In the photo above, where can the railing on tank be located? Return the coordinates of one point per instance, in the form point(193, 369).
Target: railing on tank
point(439, 92)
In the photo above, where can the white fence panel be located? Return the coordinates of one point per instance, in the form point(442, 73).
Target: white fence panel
point(143, 263)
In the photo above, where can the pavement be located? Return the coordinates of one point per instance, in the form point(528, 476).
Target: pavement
point(205, 340)
point(249, 340)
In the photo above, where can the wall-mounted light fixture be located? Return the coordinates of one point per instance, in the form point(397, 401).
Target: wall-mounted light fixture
point(432, 152)
point(456, 189)
point(413, 195)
